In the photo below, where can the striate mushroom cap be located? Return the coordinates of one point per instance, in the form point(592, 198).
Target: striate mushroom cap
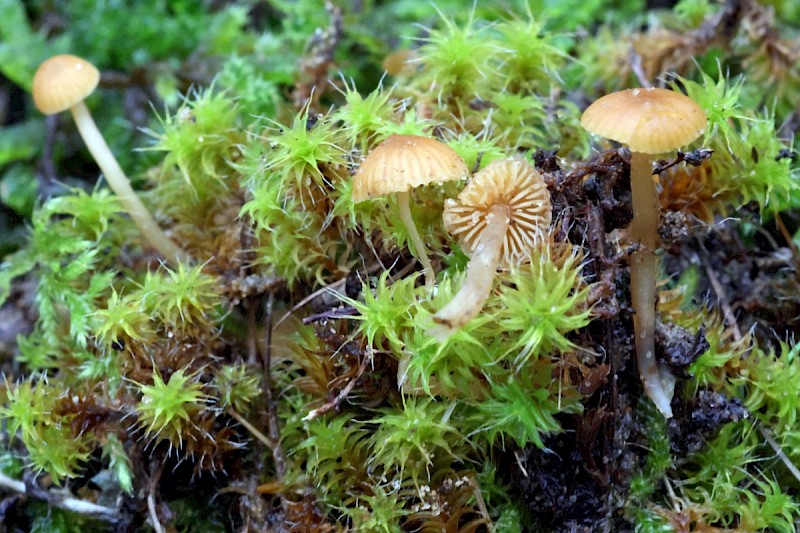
point(62, 81)
point(511, 182)
point(403, 162)
point(649, 121)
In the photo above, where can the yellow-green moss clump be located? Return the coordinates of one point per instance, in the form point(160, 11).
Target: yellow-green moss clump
point(292, 360)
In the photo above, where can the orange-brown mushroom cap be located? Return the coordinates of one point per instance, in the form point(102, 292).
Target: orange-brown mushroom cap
point(511, 182)
point(62, 81)
point(403, 162)
point(650, 121)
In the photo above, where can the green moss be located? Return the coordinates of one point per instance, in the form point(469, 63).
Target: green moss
point(297, 151)
point(335, 451)
point(531, 57)
point(362, 117)
point(143, 360)
point(167, 407)
point(199, 139)
point(238, 387)
point(412, 438)
point(455, 59)
point(542, 302)
point(520, 409)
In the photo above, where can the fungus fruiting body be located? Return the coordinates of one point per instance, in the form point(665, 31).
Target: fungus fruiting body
point(649, 121)
point(400, 164)
point(63, 82)
point(498, 218)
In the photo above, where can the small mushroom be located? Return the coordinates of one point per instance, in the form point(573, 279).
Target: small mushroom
point(401, 163)
point(499, 217)
point(63, 82)
point(650, 121)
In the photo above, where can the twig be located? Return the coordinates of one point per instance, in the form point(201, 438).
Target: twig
point(314, 413)
point(331, 287)
point(55, 499)
point(272, 408)
point(347, 311)
point(251, 428)
point(785, 232)
point(151, 499)
point(12, 484)
point(779, 452)
point(339, 312)
point(727, 312)
point(520, 464)
point(151, 510)
point(252, 338)
point(476, 491)
point(335, 285)
point(694, 158)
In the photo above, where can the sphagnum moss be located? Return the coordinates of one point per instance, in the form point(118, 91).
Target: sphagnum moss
point(362, 420)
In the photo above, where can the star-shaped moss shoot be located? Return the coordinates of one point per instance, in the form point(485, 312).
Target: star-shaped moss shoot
point(650, 121)
point(499, 218)
point(400, 164)
point(63, 82)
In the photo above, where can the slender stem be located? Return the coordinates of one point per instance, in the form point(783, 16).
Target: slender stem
point(273, 427)
point(778, 451)
point(480, 273)
point(644, 276)
point(419, 246)
point(151, 496)
point(121, 186)
point(342, 396)
point(251, 428)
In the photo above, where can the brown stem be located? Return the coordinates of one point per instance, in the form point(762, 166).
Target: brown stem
point(480, 273)
point(657, 382)
point(273, 427)
point(251, 428)
point(342, 396)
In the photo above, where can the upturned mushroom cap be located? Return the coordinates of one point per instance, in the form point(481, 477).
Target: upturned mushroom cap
point(511, 182)
point(650, 121)
point(62, 81)
point(403, 162)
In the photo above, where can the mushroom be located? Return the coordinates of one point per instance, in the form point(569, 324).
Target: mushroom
point(401, 163)
point(498, 218)
point(650, 121)
point(63, 82)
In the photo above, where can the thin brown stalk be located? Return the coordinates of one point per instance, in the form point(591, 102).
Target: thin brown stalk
point(273, 428)
point(251, 428)
point(786, 234)
point(727, 311)
point(333, 404)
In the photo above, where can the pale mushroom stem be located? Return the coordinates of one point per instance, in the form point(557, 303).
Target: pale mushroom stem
point(658, 381)
point(419, 246)
point(480, 274)
point(121, 186)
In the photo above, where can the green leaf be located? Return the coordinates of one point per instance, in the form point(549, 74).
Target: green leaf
point(20, 141)
point(21, 49)
point(19, 188)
